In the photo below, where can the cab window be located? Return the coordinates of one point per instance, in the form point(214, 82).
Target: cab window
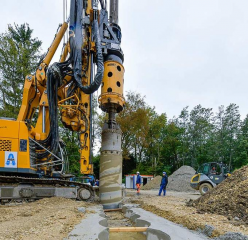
point(206, 169)
point(203, 169)
point(215, 169)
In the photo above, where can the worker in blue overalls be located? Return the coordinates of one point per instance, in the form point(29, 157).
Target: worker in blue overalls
point(164, 182)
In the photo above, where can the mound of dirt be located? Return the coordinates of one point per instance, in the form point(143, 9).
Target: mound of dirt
point(229, 198)
point(180, 180)
point(153, 184)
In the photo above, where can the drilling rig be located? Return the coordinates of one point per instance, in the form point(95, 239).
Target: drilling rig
point(32, 155)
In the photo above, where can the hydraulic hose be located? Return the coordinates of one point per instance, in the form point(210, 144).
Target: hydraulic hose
point(78, 61)
point(76, 44)
point(57, 71)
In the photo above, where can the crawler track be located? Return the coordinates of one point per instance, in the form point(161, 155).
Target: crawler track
point(32, 183)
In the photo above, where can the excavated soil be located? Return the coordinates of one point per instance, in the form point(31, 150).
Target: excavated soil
point(50, 218)
point(178, 181)
point(173, 207)
point(230, 198)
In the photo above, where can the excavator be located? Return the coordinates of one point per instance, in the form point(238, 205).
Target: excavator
point(33, 158)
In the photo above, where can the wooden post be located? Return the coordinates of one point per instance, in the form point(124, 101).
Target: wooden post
point(128, 229)
point(113, 210)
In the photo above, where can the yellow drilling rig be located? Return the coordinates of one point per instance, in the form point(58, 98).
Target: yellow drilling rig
point(32, 156)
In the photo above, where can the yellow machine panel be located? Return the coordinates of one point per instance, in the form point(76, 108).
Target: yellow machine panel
point(8, 143)
point(9, 128)
point(14, 147)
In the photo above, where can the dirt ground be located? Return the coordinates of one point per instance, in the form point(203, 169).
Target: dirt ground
point(173, 207)
point(54, 218)
point(51, 218)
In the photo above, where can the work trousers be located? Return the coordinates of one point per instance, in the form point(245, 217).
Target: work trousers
point(138, 187)
point(162, 188)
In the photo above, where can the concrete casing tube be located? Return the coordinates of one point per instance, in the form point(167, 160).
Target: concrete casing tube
point(111, 169)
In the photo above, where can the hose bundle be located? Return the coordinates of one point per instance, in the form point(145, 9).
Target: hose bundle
point(76, 49)
point(55, 75)
point(73, 67)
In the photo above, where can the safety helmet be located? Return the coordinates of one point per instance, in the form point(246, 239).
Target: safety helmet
point(164, 172)
point(138, 173)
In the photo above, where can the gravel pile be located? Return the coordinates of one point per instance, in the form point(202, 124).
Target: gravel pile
point(153, 184)
point(229, 198)
point(232, 236)
point(180, 180)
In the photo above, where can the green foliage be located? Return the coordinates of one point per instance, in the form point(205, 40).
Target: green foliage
point(72, 147)
point(96, 164)
point(194, 137)
point(19, 54)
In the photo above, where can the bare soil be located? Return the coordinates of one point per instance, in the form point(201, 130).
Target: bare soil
point(173, 207)
point(50, 218)
point(54, 218)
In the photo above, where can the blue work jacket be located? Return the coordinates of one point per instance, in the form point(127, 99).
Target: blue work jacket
point(164, 180)
point(138, 180)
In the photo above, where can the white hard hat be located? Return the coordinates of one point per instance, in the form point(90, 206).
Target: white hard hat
point(137, 172)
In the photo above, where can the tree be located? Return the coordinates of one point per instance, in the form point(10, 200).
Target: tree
point(72, 147)
point(182, 122)
point(232, 126)
point(171, 145)
point(199, 130)
point(19, 54)
point(227, 128)
point(240, 157)
point(141, 132)
point(157, 128)
point(133, 121)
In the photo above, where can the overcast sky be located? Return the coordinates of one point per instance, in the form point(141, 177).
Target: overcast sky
point(177, 52)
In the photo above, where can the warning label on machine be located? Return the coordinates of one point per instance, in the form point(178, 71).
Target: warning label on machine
point(10, 159)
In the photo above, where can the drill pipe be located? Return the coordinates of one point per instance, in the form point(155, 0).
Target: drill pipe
point(114, 11)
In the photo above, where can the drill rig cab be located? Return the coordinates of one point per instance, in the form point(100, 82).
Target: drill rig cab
point(208, 176)
point(32, 158)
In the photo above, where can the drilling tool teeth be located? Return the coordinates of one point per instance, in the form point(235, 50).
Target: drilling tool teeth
point(111, 169)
